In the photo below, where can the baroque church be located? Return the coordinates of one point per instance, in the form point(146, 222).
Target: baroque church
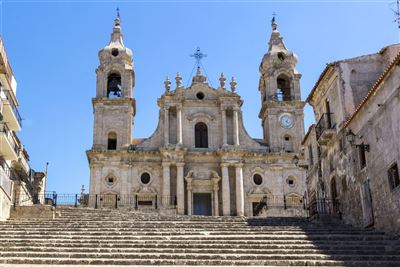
point(200, 160)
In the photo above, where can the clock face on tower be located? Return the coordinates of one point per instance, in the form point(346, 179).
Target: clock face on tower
point(286, 121)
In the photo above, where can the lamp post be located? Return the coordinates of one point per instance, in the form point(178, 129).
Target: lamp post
point(351, 138)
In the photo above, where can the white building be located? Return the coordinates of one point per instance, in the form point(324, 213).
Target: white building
point(19, 184)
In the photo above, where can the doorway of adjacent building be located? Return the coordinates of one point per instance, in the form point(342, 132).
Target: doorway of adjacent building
point(366, 204)
point(202, 204)
point(335, 206)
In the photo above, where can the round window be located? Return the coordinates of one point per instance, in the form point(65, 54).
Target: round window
point(200, 95)
point(145, 178)
point(110, 180)
point(291, 182)
point(257, 179)
point(114, 52)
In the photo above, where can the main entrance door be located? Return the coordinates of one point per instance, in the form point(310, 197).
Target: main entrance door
point(202, 204)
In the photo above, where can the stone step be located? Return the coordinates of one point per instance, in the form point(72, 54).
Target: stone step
point(196, 236)
point(178, 262)
point(118, 227)
point(204, 256)
point(124, 237)
point(52, 224)
point(186, 242)
point(149, 225)
point(212, 250)
point(130, 232)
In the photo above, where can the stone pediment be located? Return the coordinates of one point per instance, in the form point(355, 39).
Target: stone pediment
point(200, 115)
point(258, 191)
point(145, 190)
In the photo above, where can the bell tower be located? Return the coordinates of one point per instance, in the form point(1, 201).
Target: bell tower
point(282, 109)
point(114, 106)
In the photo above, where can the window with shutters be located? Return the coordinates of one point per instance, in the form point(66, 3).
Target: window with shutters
point(393, 175)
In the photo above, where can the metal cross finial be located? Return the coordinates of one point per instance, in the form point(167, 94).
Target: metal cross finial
point(118, 15)
point(273, 23)
point(198, 55)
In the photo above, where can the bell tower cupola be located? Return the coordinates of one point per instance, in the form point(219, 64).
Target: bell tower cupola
point(115, 75)
point(282, 109)
point(114, 105)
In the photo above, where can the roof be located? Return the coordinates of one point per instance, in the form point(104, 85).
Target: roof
point(328, 66)
point(376, 87)
point(308, 133)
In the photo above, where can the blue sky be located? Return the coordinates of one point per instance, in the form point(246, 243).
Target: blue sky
point(53, 46)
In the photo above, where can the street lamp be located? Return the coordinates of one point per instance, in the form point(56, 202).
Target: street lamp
point(351, 138)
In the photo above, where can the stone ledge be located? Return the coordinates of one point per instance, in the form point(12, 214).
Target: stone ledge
point(33, 212)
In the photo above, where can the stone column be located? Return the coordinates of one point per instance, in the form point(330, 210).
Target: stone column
point(226, 201)
point(166, 190)
point(166, 125)
point(224, 134)
point(179, 125)
point(236, 127)
point(216, 202)
point(239, 190)
point(180, 189)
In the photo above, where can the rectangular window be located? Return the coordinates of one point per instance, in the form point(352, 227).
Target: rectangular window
point(393, 175)
point(361, 154)
point(310, 156)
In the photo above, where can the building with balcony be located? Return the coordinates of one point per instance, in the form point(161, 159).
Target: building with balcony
point(18, 182)
point(352, 173)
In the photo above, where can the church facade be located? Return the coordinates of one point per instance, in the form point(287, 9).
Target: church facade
point(200, 160)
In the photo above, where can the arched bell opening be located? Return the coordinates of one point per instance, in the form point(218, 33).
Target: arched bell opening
point(284, 92)
point(114, 87)
point(112, 141)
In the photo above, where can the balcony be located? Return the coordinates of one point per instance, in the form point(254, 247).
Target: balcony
point(325, 128)
point(10, 111)
point(9, 146)
point(23, 161)
point(5, 68)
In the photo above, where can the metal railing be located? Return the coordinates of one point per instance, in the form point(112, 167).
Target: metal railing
point(324, 206)
point(112, 201)
point(13, 105)
point(326, 122)
point(284, 202)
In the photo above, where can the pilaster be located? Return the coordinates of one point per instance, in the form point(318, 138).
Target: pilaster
point(239, 190)
point(226, 201)
point(180, 189)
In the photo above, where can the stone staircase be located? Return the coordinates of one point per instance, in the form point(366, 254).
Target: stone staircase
point(114, 237)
